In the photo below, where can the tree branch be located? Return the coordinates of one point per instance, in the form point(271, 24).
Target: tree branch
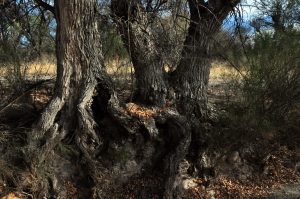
point(46, 6)
point(219, 5)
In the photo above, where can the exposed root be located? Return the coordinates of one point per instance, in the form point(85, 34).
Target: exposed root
point(86, 136)
point(180, 136)
point(142, 142)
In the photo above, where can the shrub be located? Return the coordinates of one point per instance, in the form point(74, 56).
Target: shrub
point(270, 88)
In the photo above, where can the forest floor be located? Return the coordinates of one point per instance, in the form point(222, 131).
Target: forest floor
point(247, 162)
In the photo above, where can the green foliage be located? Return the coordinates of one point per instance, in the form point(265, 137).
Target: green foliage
point(11, 63)
point(270, 88)
point(112, 45)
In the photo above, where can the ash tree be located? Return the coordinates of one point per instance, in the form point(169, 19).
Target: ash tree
point(84, 93)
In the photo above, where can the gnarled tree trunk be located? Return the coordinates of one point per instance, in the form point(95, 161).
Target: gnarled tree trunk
point(79, 68)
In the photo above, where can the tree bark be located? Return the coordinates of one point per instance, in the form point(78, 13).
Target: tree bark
point(190, 79)
point(79, 68)
point(179, 138)
point(134, 24)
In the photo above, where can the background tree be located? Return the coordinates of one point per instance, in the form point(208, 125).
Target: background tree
point(25, 36)
point(279, 15)
point(270, 85)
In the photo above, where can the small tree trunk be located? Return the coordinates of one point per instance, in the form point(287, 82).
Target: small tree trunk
point(191, 77)
point(151, 88)
point(134, 25)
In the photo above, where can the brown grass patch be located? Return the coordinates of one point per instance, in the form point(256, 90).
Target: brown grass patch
point(222, 71)
point(45, 65)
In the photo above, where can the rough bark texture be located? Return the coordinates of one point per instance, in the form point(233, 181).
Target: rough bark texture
point(159, 142)
point(179, 137)
point(190, 79)
point(134, 24)
point(79, 67)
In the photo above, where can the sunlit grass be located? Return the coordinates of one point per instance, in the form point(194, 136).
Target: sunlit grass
point(47, 66)
point(119, 67)
point(43, 66)
point(222, 71)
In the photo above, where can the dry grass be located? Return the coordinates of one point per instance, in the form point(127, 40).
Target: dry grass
point(119, 67)
point(43, 66)
point(13, 196)
point(222, 71)
point(46, 65)
point(219, 70)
